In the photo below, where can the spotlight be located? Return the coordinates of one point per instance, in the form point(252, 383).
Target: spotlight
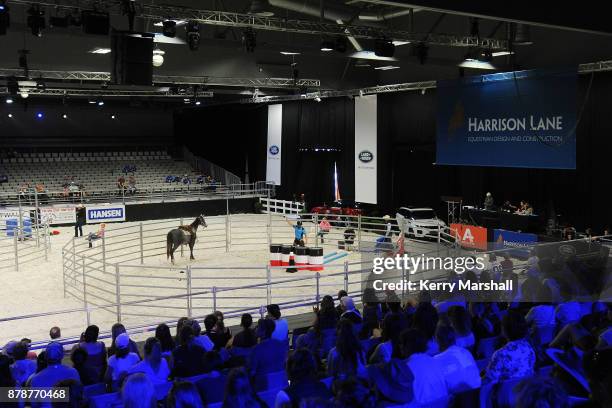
point(158, 57)
point(317, 98)
point(113, 117)
point(327, 46)
point(39, 115)
point(100, 103)
point(9, 100)
point(10, 115)
point(24, 94)
point(384, 48)
point(5, 18)
point(198, 103)
point(65, 116)
point(36, 20)
point(169, 29)
point(249, 40)
point(423, 91)
point(193, 35)
point(261, 8)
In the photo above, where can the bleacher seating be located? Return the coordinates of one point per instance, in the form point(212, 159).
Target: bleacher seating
point(93, 170)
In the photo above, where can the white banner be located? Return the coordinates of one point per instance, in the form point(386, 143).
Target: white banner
point(60, 214)
point(275, 132)
point(105, 213)
point(365, 149)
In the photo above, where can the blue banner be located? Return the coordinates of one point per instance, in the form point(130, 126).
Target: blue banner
point(518, 243)
point(517, 119)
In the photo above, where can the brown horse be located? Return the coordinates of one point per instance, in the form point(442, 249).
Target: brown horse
point(183, 235)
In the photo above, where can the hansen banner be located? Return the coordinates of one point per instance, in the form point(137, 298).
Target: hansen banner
point(520, 119)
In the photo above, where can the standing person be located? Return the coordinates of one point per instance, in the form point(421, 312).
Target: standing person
point(80, 220)
point(301, 238)
point(324, 228)
point(489, 203)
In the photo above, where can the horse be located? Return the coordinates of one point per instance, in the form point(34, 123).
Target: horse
point(183, 235)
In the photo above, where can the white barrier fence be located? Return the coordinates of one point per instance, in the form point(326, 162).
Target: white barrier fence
point(274, 206)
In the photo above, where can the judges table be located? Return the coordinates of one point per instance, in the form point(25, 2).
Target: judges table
point(504, 220)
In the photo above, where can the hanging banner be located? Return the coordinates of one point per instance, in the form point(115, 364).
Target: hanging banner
point(366, 138)
point(275, 132)
point(516, 119)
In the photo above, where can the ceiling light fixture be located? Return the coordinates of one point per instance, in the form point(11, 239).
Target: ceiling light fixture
point(476, 64)
point(9, 100)
point(387, 67)
point(290, 53)
point(502, 53)
point(327, 46)
point(99, 50)
point(261, 8)
point(158, 57)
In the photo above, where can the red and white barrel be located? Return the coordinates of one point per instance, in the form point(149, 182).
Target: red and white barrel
point(315, 259)
point(285, 254)
point(301, 258)
point(275, 255)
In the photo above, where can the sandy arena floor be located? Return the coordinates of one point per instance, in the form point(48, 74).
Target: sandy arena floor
point(38, 287)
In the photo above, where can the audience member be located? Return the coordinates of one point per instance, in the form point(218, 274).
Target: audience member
point(154, 365)
point(31, 355)
point(541, 393)
point(347, 359)
point(460, 321)
point(6, 377)
point(55, 370)
point(199, 339)
point(224, 334)
point(247, 337)
point(542, 315)
point(210, 324)
point(458, 365)
point(281, 328)
point(426, 319)
point(55, 333)
point(162, 333)
point(87, 373)
point(116, 330)
point(120, 363)
point(354, 392)
point(391, 330)
point(517, 358)
point(238, 391)
point(270, 354)
point(96, 350)
point(429, 385)
point(22, 368)
point(188, 357)
point(350, 312)
point(75, 394)
point(303, 382)
point(138, 392)
point(184, 394)
point(341, 294)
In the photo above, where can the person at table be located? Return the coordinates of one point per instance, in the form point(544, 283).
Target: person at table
point(489, 203)
point(509, 207)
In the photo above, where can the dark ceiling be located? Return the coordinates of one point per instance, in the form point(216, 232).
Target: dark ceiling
point(222, 53)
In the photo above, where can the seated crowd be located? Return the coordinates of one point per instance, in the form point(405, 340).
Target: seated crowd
point(422, 353)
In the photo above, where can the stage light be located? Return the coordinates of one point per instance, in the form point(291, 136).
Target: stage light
point(327, 46)
point(100, 103)
point(65, 116)
point(39, 115)
point(261, 8)
point(10, 115)
point(158, 57)
point(113, 117)
point(169, 29)
point(198, 103)
point(9, 100)
point(5, 18)
point(193, 35)
point(24, 94)
point(36, 20)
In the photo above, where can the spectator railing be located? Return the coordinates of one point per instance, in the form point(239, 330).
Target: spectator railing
point(271, 205)
point(173, 192)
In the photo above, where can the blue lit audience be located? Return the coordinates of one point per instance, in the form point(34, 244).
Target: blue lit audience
point(184, 394)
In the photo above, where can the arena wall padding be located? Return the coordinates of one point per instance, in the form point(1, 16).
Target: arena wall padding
point(159, 211)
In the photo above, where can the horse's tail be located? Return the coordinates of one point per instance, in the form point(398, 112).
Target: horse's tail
point(168, 244)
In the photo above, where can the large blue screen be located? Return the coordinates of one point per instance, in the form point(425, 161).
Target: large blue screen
point(522, 119)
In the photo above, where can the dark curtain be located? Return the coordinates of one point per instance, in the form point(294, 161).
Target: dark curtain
point(309, 126)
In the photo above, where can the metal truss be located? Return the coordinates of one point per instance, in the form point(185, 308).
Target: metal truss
point(231, 19)
point(105, 77)
point(588, 68)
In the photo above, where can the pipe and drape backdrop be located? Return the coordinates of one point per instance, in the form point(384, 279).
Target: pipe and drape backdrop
point(406, 148)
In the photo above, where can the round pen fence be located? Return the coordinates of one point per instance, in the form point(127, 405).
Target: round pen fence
point(22, 240)
point(126, 276)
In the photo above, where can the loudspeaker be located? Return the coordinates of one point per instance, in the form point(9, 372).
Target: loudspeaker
point(95, 22)
point(132, 59)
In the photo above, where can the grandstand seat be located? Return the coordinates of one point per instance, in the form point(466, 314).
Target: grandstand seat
point(94, 389)
point(276, 380)
point(110, 400)
point(211, 387)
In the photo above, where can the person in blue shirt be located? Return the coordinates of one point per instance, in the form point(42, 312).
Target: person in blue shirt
point(300, 235)
point(55, 371)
